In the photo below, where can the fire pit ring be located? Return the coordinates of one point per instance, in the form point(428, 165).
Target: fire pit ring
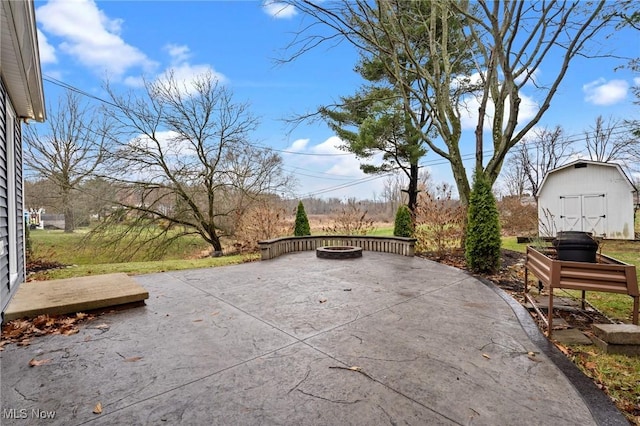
point(339, 252)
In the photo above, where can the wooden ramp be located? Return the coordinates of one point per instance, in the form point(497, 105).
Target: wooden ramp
point(72, 295)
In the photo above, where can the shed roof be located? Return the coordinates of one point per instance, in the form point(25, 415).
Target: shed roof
point(20, 59)
point(586, 162)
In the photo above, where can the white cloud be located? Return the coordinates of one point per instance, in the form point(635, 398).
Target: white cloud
point(278, 9)
point(91, 37)
point(185, 74)
point(178, 53)
point(330, 146)
point(329, 175)
point(603, 92)
point(636, 81)
point(298, 145)
point(181, 71)
point(137, 82)
point(47, 51)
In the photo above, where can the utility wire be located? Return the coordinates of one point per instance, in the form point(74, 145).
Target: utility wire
point(431, 163)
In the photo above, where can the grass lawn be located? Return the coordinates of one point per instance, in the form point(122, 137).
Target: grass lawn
point(84, 258)
point(386, 231)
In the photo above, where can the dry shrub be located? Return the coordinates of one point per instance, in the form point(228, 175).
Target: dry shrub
point(350, 220)
point(439, 221)
point(264, 219)
point(517, 218)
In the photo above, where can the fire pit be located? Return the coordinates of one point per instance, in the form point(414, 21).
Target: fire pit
point(338, 252)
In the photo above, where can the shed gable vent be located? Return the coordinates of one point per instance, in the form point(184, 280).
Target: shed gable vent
point(580, 165)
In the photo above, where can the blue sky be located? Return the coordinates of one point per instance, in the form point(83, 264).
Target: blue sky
point(83, 41)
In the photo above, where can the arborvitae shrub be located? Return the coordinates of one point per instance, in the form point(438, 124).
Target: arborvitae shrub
point(403, 226)
point(482, 245)
point(302, 222)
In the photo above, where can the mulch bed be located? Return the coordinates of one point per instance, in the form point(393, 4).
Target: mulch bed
point(39, 265)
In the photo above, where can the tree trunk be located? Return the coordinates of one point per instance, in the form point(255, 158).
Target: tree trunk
point(462, 183)
point(413, 190)
point(67, 210)
point(216, 245)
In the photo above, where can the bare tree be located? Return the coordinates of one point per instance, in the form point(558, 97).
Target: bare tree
point(612, 140)
point(514, 179)
point(542, 151)
point(185, 161)
point(394, 193)
point(506, 42)
point(67, 149)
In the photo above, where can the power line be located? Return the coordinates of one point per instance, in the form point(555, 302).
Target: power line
point(431, 163)
point(343, 186)
point(72, 88)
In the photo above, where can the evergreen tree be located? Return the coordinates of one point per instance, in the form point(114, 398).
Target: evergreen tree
point(482, 245)
point(302, 222)
point(403, 226)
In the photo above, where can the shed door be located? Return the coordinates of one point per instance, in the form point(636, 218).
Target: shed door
point(593, 213)
point(585, 213)
point(571, 213)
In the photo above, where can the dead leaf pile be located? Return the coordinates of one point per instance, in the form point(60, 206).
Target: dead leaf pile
point(22, 331)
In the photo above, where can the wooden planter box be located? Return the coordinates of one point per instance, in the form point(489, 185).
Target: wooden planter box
point(607, 275)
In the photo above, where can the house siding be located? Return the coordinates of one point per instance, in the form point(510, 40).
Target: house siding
point(4, 212)
point(8, 251)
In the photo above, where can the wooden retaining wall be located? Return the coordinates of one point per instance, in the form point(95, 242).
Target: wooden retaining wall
point(270, 249)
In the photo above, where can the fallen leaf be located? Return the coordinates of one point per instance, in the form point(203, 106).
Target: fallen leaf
point(97, 409)
point(38, 362)
point(102, 326)
point(563, 349)
point(355, 368)
point(25, 342)
point(486, 356)
point(322, 300)
point(198, 320)
point(40, 320)
point(531, 353)
point(133, 359)
point(215, 313)
point(591, 365)
point(70, 332)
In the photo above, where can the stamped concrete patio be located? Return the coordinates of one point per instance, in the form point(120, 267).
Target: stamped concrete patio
point(384, 339)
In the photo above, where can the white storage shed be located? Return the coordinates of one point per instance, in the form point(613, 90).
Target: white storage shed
point(587, 196)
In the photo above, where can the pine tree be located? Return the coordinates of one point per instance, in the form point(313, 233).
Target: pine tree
point(302, 222)
point(482, 245)
point(403, 226)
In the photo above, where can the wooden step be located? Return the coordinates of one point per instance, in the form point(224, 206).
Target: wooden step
point(72, 295)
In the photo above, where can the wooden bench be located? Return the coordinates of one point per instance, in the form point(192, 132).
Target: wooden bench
point(270, 249)
point(607, 275)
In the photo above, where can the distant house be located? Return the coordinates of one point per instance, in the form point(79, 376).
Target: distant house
point(587, 196)
point(21, 99)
